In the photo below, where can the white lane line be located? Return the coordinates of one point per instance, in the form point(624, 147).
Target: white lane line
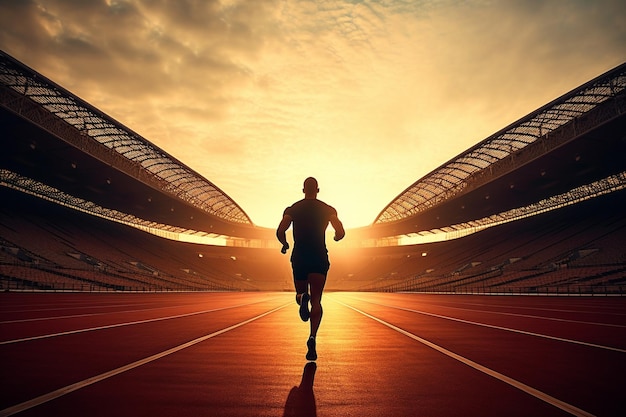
point(111, 326)
point(82, 306)
point(514, 383)
point(592, 309)
point(474, 323)
point(74, 316)
point(530, 316)
point(103, 313)
point(89, 381)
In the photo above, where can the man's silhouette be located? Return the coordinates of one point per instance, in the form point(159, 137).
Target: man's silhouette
point(309, 257)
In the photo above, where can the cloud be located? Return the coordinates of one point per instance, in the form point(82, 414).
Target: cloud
point(366, 95)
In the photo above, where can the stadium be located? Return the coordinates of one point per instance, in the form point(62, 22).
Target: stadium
point(537, 208)
point(560, 170)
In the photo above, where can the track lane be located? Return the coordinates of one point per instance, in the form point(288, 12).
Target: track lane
point(581, 326)
point(364, 369)
point(586, 376)
point(42, 399)
point(562, 405)
point(34, 367)
point(605, 310)
point(102, 314)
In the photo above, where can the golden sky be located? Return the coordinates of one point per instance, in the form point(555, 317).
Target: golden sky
point(367, 96)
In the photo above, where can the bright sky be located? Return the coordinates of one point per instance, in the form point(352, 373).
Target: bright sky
point(367, 96)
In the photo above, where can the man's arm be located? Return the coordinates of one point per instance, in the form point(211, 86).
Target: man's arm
point(338, 226)
point(280, 232)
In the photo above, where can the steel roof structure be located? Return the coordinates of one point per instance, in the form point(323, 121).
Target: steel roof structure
point(37, 99)
point(462, 172)
point(61, 148)
point(587, 107)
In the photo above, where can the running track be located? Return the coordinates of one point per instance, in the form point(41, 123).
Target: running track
point(242, 354)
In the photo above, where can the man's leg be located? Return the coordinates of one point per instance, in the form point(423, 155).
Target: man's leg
point(301, 288)
point(302, 298)
point(316, 282)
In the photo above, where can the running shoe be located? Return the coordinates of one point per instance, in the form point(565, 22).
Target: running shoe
point(304, 307)
point(311, 355)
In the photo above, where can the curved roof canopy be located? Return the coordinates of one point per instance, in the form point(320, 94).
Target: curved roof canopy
point(464, 172)
point(146, 161)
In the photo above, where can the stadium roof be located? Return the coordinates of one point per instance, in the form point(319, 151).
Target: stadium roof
point(26, 93)
point(545, 129)
point(570, 148)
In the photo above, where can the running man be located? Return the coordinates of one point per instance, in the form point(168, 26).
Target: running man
point(309, 257)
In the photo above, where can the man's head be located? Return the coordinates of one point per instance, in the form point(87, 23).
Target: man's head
point(310, 188)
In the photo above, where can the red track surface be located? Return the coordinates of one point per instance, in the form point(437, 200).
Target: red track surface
point(240, 354)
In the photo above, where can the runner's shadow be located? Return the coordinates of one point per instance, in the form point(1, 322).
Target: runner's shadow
point(301, 399)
